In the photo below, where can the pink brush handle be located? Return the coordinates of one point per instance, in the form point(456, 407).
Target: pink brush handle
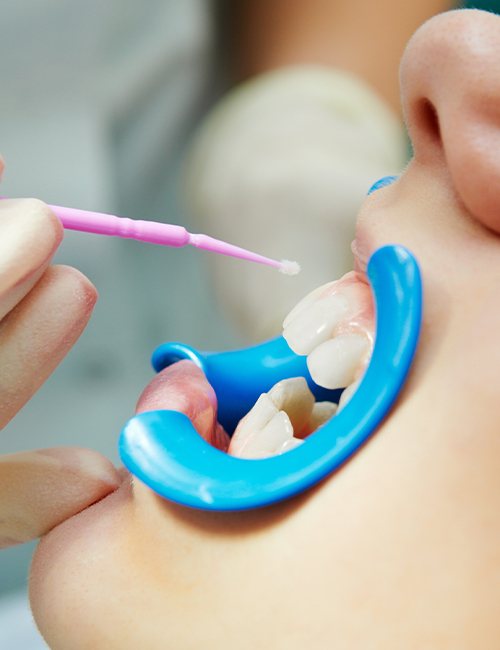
point(108, 224)
point(156, 232)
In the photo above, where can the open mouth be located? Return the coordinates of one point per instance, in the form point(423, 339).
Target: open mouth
point(334, 327)
point(262, 394)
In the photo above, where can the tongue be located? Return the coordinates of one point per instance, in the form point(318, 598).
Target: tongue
point(183, 387)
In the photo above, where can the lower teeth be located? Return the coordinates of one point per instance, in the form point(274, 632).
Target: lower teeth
point(280, 420)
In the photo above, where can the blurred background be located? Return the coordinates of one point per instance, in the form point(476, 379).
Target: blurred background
point(98, 102)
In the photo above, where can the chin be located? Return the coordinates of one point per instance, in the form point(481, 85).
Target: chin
point(68, 564)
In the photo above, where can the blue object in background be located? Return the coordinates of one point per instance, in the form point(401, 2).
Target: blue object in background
point(382, 182)
point(163, 449)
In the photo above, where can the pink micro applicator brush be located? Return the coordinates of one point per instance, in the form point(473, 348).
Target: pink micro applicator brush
point(159, 233)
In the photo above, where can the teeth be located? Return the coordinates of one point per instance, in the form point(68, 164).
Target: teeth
point(294, 397)
point(260, 443)
point(249, 430)
point(344, 286)
point(273, 436)
point(316, 323)
point(321, 413)
point(262, 412)
point(334, 326)
point(268, 429)
point(338, 362)
point(251, 426)
point(290, 444)
point(306, 302)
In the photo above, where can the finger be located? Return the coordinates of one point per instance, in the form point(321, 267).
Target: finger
point(183, 387)
point(40, 489)
point(38, 333)
point(29, 236)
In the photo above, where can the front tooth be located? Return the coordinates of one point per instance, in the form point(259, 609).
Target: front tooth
point(306, 302)
point(337, 362)
point(315, 325)
point(269, 440)
point(294, 397)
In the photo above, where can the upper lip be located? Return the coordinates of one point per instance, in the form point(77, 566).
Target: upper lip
point(360, 261)
point(365, 241)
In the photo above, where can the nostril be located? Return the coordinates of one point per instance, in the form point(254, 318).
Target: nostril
point(428, 119)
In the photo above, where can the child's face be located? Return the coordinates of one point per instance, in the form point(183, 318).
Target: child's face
point(398, 549)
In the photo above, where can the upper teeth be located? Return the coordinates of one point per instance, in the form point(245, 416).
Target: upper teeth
point(316, 324)
point(335, 364)
point(334, 326)
point(269, 427)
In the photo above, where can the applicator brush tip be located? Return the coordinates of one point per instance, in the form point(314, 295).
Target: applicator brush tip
point(289, 268)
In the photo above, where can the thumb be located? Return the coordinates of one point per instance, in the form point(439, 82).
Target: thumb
point(40, 489)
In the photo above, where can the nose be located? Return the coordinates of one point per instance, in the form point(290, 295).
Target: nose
point(450, 82)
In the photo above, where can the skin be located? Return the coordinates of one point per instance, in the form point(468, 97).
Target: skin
point(398, 549)
point(43, 310)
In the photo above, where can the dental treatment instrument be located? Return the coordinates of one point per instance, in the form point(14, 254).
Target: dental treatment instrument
point(155, 232)
point(163, 449)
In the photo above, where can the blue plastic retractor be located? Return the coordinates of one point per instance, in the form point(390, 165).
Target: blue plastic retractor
point(163, 449)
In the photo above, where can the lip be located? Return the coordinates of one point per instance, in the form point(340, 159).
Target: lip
point(360, 261)
point(363, 245)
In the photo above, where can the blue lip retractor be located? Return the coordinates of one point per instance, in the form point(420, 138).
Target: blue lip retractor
point(163, 449)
